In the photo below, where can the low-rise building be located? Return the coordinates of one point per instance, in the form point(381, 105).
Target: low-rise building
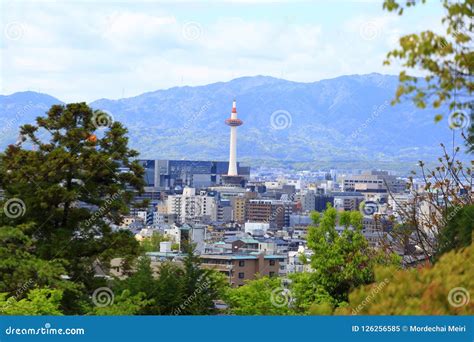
point(374, 181)
point(241, 268)
point(348, 201)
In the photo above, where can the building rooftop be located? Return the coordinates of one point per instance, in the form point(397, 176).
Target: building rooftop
point(347, 193)
point(238, 256)
point(239, 238)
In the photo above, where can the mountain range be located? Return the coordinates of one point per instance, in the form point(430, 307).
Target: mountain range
point(347, 121)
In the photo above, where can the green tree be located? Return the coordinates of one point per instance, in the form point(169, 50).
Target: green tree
point(341, 262)
point(140, 282)
point(309, 296)
point(457, 232)
point(20, 269)
point(299, 294)
point(169, 289)
point(264, 296)
point(163, 292)
point(200, 286)
point(37, 302)
point(152, 244)
point(447, 61)
point(176, 288)
point(443, 289)
point(73, 156)
point(123, 304)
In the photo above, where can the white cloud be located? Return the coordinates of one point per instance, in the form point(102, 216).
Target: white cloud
point(83, 51)
point(131, 30)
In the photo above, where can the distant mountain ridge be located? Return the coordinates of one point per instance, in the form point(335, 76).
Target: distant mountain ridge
point(345, 119)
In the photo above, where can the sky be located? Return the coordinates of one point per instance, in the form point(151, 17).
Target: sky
point(86, 50)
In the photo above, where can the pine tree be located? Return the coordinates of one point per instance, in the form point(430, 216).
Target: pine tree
point(72, 176)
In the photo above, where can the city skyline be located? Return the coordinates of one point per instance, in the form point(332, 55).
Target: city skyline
point(336, 122)
point(237, 158)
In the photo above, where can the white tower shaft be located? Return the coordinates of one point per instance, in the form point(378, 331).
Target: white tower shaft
point(233, 122)
point(233, 152)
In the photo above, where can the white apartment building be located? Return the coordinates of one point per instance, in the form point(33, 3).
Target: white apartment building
point(192, 208)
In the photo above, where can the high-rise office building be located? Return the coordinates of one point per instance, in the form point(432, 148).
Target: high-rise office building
point(177, 174)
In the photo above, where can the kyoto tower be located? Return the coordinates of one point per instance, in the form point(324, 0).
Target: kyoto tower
point(233, 122)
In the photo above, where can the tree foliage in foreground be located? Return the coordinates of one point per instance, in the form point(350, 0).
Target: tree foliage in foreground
point(443, 289)
point(124, 304)
point(340, 263)
point(66, 177)
point(258, 297)
point(457, 232)
point(175, 288)
point(20, 269)
point(37, 302)
point(446, 59)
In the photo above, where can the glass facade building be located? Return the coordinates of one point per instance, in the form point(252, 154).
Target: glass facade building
point(170, 174)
